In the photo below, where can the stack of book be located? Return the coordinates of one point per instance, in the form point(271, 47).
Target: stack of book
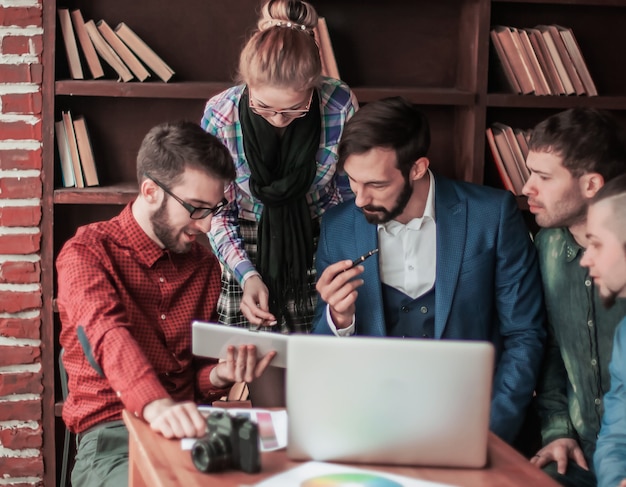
point(543, 60)
point(78, 167)
point(509, 148)
point(120, 48)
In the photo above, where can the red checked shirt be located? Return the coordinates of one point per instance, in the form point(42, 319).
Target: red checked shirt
point(135, 302)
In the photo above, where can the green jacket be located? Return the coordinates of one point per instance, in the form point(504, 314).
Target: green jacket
point(575, 375)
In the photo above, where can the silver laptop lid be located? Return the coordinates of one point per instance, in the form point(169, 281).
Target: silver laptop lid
point(389, 401)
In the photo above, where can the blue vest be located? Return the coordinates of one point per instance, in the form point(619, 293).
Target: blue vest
point(406, 317)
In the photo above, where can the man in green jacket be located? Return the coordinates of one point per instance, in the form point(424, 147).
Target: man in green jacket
point(572, 154)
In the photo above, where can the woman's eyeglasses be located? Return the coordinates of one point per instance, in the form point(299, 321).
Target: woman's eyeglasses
point(288, 114)
point(195, 212)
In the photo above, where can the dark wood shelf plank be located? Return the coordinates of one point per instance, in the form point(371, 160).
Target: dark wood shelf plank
point(205, 90)
point(119, 194)
point(591, 3)
point(422, 96)
point(149, 89)
point(561, 102)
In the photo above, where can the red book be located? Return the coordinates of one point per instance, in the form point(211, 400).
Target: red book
point(497, 159)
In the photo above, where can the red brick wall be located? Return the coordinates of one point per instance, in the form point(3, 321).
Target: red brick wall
point(21, 438)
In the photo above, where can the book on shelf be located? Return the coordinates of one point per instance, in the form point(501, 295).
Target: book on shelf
point(522, 137)
point(504, 64)
point(69, 41)
point(526, 61)
point(497, 159)
point(89, 52)
point(65, 158)
point(579, 88)
point(518, 154)
point(73, 146)
point(512, 52)
point(327, 54)
point(577, 58)
point(545, 61)
point(122, 50)
point(542, 87)
point(85, 152)
point(508, 158)
point(107, 53)
point(553, 52)
point(144, 52)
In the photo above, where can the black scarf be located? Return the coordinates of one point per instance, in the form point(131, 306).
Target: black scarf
point(282, 169)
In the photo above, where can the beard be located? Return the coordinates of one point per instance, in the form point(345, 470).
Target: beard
point(570, 210)
point(608, 300)
point(562, 219)
point(609, 297)
point(383, 215)
point(165, 233)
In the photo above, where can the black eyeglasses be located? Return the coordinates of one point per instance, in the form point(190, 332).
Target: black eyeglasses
point(195, 212)
point(288, 114)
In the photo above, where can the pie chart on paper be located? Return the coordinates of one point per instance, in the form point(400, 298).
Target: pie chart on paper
point(355, 479)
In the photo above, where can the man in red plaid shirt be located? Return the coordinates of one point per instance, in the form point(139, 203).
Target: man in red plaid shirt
point(128, 290)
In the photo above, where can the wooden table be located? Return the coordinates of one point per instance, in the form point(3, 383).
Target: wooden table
point(159, 462)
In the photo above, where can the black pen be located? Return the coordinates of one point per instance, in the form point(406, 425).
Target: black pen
point(362, 258)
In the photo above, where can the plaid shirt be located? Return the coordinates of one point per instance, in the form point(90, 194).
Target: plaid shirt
point(135, 302)
point(221, 118)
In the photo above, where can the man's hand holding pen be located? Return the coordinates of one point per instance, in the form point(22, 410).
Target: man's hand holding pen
point(338, 286)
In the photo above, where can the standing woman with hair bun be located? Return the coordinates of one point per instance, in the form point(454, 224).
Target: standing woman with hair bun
point(282, 125)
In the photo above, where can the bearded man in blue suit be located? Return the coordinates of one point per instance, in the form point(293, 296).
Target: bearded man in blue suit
point(455, 259)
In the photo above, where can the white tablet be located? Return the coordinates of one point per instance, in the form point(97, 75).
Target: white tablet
point(213, 339)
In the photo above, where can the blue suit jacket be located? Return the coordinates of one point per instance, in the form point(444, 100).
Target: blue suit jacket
point(487, 287)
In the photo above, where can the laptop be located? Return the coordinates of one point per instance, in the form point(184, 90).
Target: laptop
point(389, 400)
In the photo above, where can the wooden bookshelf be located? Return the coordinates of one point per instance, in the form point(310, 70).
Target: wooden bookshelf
point(434, 53)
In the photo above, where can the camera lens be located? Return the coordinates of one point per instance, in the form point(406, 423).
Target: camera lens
point(212, 454)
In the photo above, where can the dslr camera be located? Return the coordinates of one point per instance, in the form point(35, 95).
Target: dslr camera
point(232, 442)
